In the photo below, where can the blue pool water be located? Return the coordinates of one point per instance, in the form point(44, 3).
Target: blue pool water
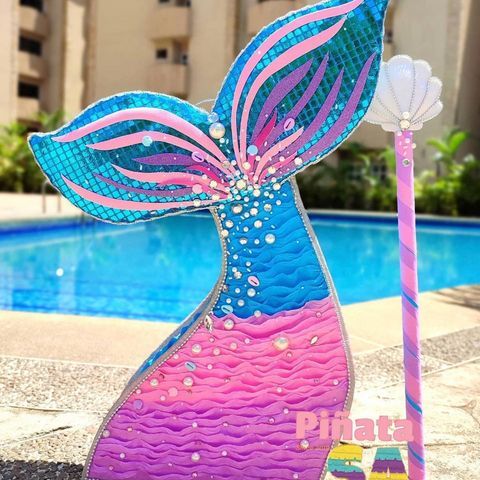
point(162, 270)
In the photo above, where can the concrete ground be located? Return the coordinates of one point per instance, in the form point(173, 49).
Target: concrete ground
point(15, 206)
point(59, 375)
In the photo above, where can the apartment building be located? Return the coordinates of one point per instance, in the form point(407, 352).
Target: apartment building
point(41, 57)
point(69, 53)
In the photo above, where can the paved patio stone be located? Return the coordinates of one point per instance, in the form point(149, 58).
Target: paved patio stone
point(60, 385)
point(69, 446)
point(454, 348)
point(451, 405)
point(21, 425)
point(385, 367)
point(21, 470)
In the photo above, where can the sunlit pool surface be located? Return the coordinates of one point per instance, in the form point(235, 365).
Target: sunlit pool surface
point(162, 270)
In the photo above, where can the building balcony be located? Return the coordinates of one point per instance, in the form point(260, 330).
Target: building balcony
point(27, 108)
point(169, 78)
point(266, 12)
point(169, 22)
point(33, 21)
point(31, 66)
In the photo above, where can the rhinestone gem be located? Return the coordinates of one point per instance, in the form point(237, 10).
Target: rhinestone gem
point(188, 382)
point(197, 348)
point(270, 238)
point(281, 343)
point(147, 140)
point(241, 184)
point(229, 324)
point(190, 366)
point(195, 456)
point(217, 130)
point(213, 117)
point(304, 444)
point(252, 150)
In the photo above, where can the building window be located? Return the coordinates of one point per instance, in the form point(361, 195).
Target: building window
point(28, 90)
point(36, 4)
point(184, 58)
point(30, 45)
point(162, 54)
point(178, 3)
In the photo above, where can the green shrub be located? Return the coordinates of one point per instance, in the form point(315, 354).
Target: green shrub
point(454, 187)
point(18, 169)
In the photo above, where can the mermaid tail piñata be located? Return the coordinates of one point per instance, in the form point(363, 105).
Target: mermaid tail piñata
point(218, 399)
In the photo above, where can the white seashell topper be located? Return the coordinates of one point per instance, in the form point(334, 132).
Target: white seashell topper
point(407, 95)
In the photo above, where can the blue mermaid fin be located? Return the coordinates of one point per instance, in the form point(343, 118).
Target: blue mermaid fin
point(302, 86)
point(135, 156)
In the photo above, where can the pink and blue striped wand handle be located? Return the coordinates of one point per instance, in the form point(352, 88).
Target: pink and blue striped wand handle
point(407, 97)
point(409, 280)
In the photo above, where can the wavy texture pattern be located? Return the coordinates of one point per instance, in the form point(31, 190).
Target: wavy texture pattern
point(243, 399)
point(286, 269)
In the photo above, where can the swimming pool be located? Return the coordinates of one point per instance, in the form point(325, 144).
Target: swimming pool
point(162, 270)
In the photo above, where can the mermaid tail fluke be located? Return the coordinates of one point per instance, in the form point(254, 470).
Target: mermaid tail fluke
point(296, 92)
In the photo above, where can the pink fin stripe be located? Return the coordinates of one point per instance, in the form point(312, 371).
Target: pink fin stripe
point(270, 42)
point(267, 130)
point(179, 192)
point(302, 103)
point(156, 115)
point(167, 178)
point(130, 204)
point(277, 148)
point(283, 60)
point(137, 138)
point(279, 92)
point(277, 166)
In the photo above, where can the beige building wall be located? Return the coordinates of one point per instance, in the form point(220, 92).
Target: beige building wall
point(212, 46)
point(445, 33)
point(74, 56)
point(8, 60)
point(46, 79)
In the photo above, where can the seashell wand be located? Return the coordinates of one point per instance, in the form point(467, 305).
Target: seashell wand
point(407, 96)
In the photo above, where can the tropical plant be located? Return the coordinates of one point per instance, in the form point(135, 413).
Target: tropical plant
point(18, 169)
point(447, 149)
point(454, 188)
point(14, 157)
point(361, 179)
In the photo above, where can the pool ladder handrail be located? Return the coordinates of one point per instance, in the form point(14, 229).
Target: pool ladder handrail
point(44, 198)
